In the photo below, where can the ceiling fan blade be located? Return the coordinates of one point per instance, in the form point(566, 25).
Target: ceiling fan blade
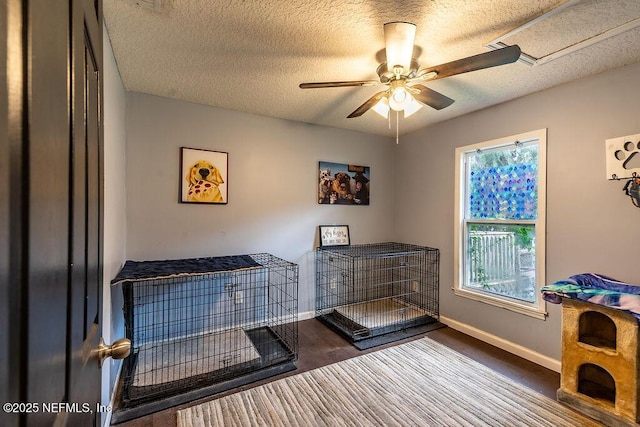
point(431, 98)
point(494, 58)
point(339, 84)
point(369, 103)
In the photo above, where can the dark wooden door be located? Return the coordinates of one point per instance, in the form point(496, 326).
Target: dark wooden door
point(5, 246)
point(86, 207)
point(52, 220)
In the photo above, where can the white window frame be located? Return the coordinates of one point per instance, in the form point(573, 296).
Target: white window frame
point(536, 309)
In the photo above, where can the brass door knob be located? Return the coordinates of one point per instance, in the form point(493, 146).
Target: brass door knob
point(118, 350)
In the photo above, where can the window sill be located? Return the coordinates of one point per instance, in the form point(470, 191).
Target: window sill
point(528, 310)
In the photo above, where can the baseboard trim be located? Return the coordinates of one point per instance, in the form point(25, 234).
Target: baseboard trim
point(306, 315)
point(518, 350)
point(112, 400)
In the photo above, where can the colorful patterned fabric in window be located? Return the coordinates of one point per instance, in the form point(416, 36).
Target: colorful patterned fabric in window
point(504, 192)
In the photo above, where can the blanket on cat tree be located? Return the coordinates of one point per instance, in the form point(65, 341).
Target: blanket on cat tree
point(596, 289)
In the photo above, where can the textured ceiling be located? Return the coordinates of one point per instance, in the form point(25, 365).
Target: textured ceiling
point(250, 55)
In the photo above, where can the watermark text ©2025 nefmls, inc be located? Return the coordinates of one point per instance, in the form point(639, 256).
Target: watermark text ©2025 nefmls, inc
point(53, 407)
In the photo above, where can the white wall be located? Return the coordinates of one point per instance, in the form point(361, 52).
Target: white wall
point(272, 185)
point(115, 224)
point(591, 225)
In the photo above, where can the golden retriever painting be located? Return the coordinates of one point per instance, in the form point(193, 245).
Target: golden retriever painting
point(203, 178)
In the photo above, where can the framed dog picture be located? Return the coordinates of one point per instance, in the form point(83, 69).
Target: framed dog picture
point(334, 235)
point(203, 176)
point(341, 184)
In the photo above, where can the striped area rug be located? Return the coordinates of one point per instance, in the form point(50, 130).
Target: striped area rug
point(420, 383)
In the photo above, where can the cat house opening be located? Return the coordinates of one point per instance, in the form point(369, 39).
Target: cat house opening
point(596, 382)
point(597, 329)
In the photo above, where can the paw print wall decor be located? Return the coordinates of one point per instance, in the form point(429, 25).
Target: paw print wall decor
point(623, 162)
point(623, 157)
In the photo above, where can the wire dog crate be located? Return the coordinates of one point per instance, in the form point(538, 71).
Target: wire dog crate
point(365, 291)
point(198, 325)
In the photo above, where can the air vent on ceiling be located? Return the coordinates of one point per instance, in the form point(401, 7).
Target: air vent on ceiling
point(148, 4)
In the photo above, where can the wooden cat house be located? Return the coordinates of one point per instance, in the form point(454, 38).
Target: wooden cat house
point(599, 374)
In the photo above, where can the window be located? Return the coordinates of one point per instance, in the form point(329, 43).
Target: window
point(500, 222)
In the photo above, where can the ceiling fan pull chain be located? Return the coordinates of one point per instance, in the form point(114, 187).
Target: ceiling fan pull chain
point(397, 127)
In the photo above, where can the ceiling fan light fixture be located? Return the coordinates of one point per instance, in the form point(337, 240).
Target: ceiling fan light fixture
point(382, 107)
point(399, 38)
point(398, 99)
point(411, 106)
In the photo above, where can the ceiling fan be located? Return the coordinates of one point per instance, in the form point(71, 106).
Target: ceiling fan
point(401, 74)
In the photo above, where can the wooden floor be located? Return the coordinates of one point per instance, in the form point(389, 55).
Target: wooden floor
point(320, 346)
